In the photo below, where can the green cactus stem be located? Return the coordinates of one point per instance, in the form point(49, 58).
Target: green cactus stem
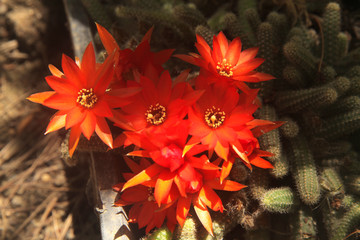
point(280, 25)
point(343, 105)
point(301, 57)
point(340, 84)
point(331, 29)
point(327, 74)
point(189, 14)
point(294, 76)
point(304, 169)
point(355, 85)
point(253, 19)
point(279, 200)
point(353, 184)
point(188, 231)
point(347, 222)
point(235, 29)
point(258, 182)
point(206, 33)
point(160, 234)
point(339, 125)
point(289, 129)
point(331, 181)
point(298, 100)
point(305, 226)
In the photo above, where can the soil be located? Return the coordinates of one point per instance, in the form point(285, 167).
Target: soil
point(40, 196)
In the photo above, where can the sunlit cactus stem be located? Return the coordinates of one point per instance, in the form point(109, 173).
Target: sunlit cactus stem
point(280, 200)
point(160, 234)
point(347, 223)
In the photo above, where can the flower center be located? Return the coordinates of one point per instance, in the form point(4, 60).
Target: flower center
point(86, 98)
point(214, 117)
point(224, 68)
point(156, 114)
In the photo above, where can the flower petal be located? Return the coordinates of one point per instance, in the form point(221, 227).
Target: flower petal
point(72, 72)
point(57, 121)
point(75, 133)
point(102, 109)
point(182, 209)
point(40, 97)
point(61, 85)
point(54, 71)
point(88, 65)
point(233, 52)
point(88, 124)
point(74, 116)
point(163, 186)
point(107, 39)
point(210, 199)
point(204, 217)
point(60, 102)
point(261, 163)
point(143, 176)
point(103, 131)
point(226, 185)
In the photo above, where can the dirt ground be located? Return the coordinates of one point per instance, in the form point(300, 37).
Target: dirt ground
point(40, 196)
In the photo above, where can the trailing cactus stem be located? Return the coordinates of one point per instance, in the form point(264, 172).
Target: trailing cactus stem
point(305, 226)
point(97, 12)
point(347, 222)
point(304, 169)
point(160, 234)
point(331, 29)
point(290, 128)
point(188, 231)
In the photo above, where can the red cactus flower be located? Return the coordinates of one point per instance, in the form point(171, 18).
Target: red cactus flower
point(80, 94)
point(226, 61)
point(139, 59)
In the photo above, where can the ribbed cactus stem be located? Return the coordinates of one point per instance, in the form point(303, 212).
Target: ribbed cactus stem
point(188, 231)
point(339, 125)
point(294, 76)
point(279, 200)
point(253, 19)
point(304, 169)
point(350, 220)
point(355, 85)
point(301, 57)
point(280, 25)
point(353, 72)
point(327, 74)
point(157, 17)
point(324, 149)
point(298, 100)
point(160, 234)
point(290, 128)
point(258, 183)
point(340, 84)
point(331, 29)
point(189, 14)
point(353, 184)
point(235, 29)
point(206, 33)
point(344, 105)
point(342, 45)
point(305, 226)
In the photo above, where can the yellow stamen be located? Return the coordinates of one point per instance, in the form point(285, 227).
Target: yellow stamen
point(156, 114)
point(214, 117)
point(224, 68)
point(86, 98)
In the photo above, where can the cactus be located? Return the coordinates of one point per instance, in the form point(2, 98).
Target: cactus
point(280, 200)
point(304, 170)
point(304, 225)
point(349, 220)
point(160, 234)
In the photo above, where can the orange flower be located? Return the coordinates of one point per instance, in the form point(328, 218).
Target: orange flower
point(227, 62)
point(160, 105)
point(144, 210)
point(139, 59)
point(80, 94)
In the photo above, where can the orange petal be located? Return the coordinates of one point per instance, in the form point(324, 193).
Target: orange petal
point(88, 65)
point(182, 76)
point(61, 85)
point(143, 176)
point(57, 121)
point(182, 210)
point(103, 131)
point(54, 71)
point(190, 144)
point(107, 39)
point(163, 186)
point(233, 53)
point(204, 217)
point(60, 102)
point(226, 185)
point(180, 185)
point(139, 153)
point(210, 199)
point(75, 116)
point(240, 153)
point(221, 151)
point(75, 133)
point(40, 97)
point(226, 168)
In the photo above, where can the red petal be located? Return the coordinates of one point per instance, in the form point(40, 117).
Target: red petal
point(143, 176)
point(261, 163)
point(226, 168)
point(247, 55)
point(74, 116)
point(146, 214)
point(103, 131)
point(233, 53)
point(182, 209)
point(102, 109)
point(180, 185)
point(88, 125)
point(248, 66)
point(189, 59)
point(164, 87)
point(72, 72)
point(222, 151)
point(75, 133)
point(107, 39)
point(223, 43)
point(104, 75)
point(135, 194)
point(61, 85)
point(88, 65)
point(60, 102)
